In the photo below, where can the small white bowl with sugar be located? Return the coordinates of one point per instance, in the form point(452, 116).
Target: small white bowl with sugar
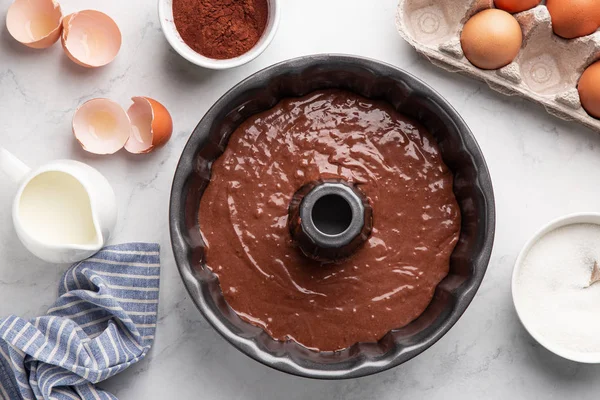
point(556, 287)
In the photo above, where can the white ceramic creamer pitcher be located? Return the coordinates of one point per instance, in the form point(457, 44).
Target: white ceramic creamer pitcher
point(64, 211)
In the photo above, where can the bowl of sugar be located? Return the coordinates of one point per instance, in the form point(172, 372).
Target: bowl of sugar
point(556, 287)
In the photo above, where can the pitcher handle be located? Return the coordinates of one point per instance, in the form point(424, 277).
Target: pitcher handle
point(12, 166)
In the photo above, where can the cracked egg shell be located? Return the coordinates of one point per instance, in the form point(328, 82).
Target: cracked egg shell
point(151, 125)
point(90, 38)
point(35, 23)
point(101, 126)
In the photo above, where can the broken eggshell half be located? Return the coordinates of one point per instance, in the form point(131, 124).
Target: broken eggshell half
point(151, 125)
point(90, 38)
point(102, 126)
point(35, 23)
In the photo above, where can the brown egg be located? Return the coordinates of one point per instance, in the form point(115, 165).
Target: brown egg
point(574, 18)
point(589, 89)
point(516, 6)
point(491, 39)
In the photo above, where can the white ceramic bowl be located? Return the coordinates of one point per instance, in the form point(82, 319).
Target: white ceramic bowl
point(165, 13)
point(580, 218)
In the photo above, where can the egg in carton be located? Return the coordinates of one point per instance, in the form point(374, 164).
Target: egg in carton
point(545, 71)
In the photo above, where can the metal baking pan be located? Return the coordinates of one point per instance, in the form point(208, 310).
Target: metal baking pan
point(410, 96)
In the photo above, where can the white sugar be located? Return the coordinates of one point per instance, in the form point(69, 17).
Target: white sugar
point(551, 289)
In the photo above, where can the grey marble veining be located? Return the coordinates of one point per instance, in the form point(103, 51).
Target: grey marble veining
point(542, 168)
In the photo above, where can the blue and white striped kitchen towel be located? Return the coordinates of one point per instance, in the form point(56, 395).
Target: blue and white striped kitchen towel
point(103, 322)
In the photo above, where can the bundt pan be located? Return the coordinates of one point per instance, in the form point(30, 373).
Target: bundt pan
point(410, 96)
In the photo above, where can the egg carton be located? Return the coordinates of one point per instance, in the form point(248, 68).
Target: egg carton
point(545, 71)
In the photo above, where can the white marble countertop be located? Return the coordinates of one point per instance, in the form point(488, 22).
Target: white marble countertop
point(542, 168)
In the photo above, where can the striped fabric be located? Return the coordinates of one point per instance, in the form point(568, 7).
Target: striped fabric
point(103, 322)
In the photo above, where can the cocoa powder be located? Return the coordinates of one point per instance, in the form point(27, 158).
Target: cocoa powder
point(220, 29)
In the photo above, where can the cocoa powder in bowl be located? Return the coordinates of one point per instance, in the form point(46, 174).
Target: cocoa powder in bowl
point(220, 29)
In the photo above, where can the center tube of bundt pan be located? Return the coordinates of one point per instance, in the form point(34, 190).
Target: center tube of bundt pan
point(330, 219)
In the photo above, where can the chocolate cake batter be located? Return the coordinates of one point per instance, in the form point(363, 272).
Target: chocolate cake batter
point(385, 284)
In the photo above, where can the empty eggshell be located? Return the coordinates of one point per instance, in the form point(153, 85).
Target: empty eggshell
point(35, 23)
point(101, 126)
point(151, 125)
point(91, 38)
